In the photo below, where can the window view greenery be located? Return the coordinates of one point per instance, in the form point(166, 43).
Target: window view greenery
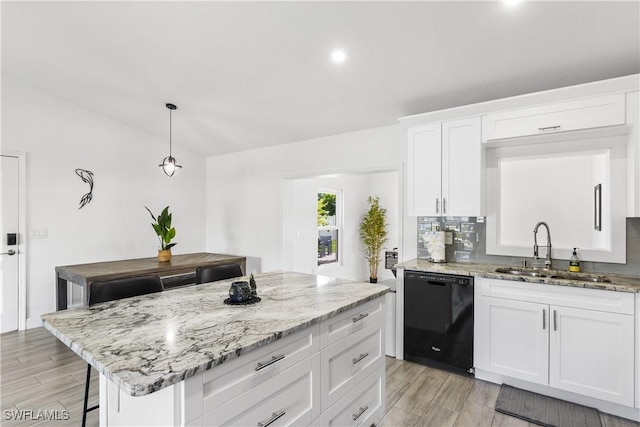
point(328, 228)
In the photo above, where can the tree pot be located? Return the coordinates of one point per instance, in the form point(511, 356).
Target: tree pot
point(164, 255)
point(372, 280)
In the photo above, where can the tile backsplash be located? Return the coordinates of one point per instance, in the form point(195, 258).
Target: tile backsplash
point(468, 245)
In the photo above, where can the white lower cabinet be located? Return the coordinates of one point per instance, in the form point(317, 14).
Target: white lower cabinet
point(572, 339)
point(286, 399)
point(361, 406)
point(514, 337)
point(591, 353)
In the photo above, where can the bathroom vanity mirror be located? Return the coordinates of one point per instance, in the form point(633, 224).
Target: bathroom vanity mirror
point(577, 187)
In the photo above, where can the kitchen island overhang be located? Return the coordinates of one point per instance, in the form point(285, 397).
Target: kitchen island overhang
point(144, 344)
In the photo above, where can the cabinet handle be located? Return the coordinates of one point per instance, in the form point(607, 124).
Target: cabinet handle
point(544, 318)
point(360, 317)
point(274, 359)
point(361, 411)
point(597, 207)
point(271, 419)
point(359, 358)
point(437, 205)
point(444, 205)
point(555, 320)
point(549, 128)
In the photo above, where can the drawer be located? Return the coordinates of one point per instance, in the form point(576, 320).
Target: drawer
point(289, 398)
point(237, 376)
point(364, 405)
point(567, 296)
point(558, 117)
point(352, 321)
point(349, 361)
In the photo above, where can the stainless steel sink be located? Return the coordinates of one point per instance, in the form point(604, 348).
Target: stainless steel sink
point(552, 274)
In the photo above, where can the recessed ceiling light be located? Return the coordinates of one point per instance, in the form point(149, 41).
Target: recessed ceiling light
point(512, 3)
point(338, 56)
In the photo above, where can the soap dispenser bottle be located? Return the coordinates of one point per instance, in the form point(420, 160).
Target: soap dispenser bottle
point(574, 262)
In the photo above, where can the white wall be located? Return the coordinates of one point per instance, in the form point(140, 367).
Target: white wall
point(301, 234)
point(249, 193)
point(59, 137)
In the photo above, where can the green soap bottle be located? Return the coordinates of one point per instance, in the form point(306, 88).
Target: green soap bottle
point(574, 262)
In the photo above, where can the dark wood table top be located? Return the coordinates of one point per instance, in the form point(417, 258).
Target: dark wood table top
point(185, 263)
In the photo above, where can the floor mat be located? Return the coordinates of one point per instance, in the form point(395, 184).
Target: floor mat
point(543, 410)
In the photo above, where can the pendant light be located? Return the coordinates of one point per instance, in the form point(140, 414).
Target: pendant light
point(170, 165)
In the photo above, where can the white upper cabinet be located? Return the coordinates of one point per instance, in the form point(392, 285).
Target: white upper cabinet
point(584, 113)
point(424, 153)
point(444, 169)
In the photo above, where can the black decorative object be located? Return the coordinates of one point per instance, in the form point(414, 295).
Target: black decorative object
point(252, 284)
point(87, 176)
point(170, 165)
point(249, 301)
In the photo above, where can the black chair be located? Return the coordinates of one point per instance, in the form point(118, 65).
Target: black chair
point(217, 272)
point(112, 290)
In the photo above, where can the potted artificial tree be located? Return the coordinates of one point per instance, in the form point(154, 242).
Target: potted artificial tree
point(373, 233)
point(162, 227)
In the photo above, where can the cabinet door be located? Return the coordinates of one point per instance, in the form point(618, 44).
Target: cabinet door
point(591, 353)
point(424, 170)
point(514, 339)
point(461, 168)
point(584, 113)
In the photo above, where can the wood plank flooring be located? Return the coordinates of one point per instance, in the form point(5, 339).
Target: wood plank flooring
point(38, 373)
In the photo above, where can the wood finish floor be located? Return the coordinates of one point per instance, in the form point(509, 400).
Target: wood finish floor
point(39, 373)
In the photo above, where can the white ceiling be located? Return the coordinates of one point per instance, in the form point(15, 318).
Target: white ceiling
point(252, 74)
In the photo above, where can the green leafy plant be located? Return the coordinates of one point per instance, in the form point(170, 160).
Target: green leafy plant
point(163, 228)
point(373, 234)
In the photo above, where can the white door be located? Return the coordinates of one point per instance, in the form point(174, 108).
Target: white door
point(461, 168)
point(424, 171)
point(8, 262)
point(591, 353)
point(515, 339)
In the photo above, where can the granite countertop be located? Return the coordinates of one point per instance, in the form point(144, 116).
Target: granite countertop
point(618, 283)
point(144, 344)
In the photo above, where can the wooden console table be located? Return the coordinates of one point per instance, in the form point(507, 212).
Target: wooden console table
point(85, 274)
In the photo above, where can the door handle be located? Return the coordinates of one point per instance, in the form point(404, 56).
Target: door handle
point(555, 320)
point(9, 252)
point(544, 318)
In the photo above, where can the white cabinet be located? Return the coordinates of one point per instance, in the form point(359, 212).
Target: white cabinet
point(591, 353)
point(444, 169)
point(584, 113)
point(572, 339)
point(514, 337)
point(633, 154)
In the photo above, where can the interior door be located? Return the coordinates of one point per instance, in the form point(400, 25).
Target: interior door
point(9, 259)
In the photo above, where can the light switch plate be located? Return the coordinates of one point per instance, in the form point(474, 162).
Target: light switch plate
point(38, 233)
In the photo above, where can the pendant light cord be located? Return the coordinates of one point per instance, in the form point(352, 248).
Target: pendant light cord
point(170, 130)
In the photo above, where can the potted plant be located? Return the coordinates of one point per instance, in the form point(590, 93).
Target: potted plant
point(373, 233)
point(164, 230)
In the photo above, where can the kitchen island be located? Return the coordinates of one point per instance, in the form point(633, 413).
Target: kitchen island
point(309, 352)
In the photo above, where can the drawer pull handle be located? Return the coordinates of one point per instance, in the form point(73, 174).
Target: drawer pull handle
point(271, 419)
point(274, 359)
point(359, 358)
point(361, 411)
point(359, 318)
point(549, 128)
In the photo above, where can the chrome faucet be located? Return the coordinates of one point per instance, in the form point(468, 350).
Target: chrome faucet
point(547, 262)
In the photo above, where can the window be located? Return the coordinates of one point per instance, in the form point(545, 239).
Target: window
point(328, 227)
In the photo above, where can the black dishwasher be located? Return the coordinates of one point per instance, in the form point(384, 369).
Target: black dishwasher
point(438, 320)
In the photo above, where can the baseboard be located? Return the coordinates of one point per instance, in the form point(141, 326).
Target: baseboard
point(601, 405)
point(33, 322)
